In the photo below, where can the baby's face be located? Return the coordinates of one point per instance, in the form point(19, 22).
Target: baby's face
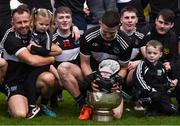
point(105, 74)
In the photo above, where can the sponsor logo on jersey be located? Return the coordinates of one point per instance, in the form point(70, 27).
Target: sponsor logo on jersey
point(166, 50)
point(116, 50)
point(159, 72)
point(66, 43)
point(95, 44)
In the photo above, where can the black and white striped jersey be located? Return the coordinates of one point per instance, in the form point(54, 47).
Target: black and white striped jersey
point(92, 44)
point(70, 47)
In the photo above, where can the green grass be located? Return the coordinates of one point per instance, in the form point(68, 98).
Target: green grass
point(68, 115)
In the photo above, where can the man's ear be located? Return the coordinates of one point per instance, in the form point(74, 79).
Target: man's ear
point(120, 20)
point(172, 25)
point(100, 22)
point(161, 54)
point(155, 20)
point(12, 23)
point(137, 20)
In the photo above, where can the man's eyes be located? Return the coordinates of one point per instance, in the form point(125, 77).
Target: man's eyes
point(133, 17)
point(67, 17)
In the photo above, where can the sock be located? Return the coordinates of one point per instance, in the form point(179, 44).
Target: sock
point(44, 101)
point(80, 100)
point(31, 83)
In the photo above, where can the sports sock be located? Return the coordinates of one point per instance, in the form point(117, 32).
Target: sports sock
point(80, 100)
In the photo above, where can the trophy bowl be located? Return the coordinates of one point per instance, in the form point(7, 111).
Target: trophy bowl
point(103, 103)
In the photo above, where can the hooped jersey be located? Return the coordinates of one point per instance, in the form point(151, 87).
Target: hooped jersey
point(70, 47)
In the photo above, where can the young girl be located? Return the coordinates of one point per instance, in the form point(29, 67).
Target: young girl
point(42, 28)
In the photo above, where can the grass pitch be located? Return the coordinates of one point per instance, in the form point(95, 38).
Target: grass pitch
point(68, 115)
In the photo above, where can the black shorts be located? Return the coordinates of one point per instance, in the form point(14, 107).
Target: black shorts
point(15, 89)
point(76, 62)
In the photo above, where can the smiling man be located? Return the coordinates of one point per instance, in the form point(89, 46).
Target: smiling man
point(161, 31)
point(67, 63)
point(21, 63)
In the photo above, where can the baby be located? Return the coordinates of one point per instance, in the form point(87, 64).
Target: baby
point(106, 76)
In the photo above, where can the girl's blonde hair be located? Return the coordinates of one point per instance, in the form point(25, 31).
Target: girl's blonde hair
point(36, 13)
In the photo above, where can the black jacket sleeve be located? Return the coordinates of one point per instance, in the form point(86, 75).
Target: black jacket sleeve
point(40, 51)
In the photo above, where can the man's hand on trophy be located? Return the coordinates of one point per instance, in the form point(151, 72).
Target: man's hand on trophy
point(94, 86)
point(115, 88)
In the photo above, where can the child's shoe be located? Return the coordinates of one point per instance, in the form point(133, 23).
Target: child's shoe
point(33, 112)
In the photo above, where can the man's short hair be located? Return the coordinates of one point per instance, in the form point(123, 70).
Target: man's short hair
point(167, 15)
point(111, 18)
point(128, 9)
point(21, 9)
point(63, 9)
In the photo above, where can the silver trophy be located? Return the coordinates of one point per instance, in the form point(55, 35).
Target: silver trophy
point(102, 104)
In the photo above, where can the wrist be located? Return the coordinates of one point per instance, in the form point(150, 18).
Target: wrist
point(72, 25)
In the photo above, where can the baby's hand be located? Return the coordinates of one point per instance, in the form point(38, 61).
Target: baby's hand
point(115, 88)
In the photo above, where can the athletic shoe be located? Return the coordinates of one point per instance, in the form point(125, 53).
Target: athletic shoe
point(86, 113)
point(139, 108)
point(47, 111)
point(34, 111)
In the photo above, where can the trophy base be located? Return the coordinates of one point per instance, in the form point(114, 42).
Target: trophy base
point(102, 116)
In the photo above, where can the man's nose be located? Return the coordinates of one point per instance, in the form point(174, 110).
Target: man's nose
point(65, 19)
point(162, 24)
point(23, 24)
point(129, 19)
